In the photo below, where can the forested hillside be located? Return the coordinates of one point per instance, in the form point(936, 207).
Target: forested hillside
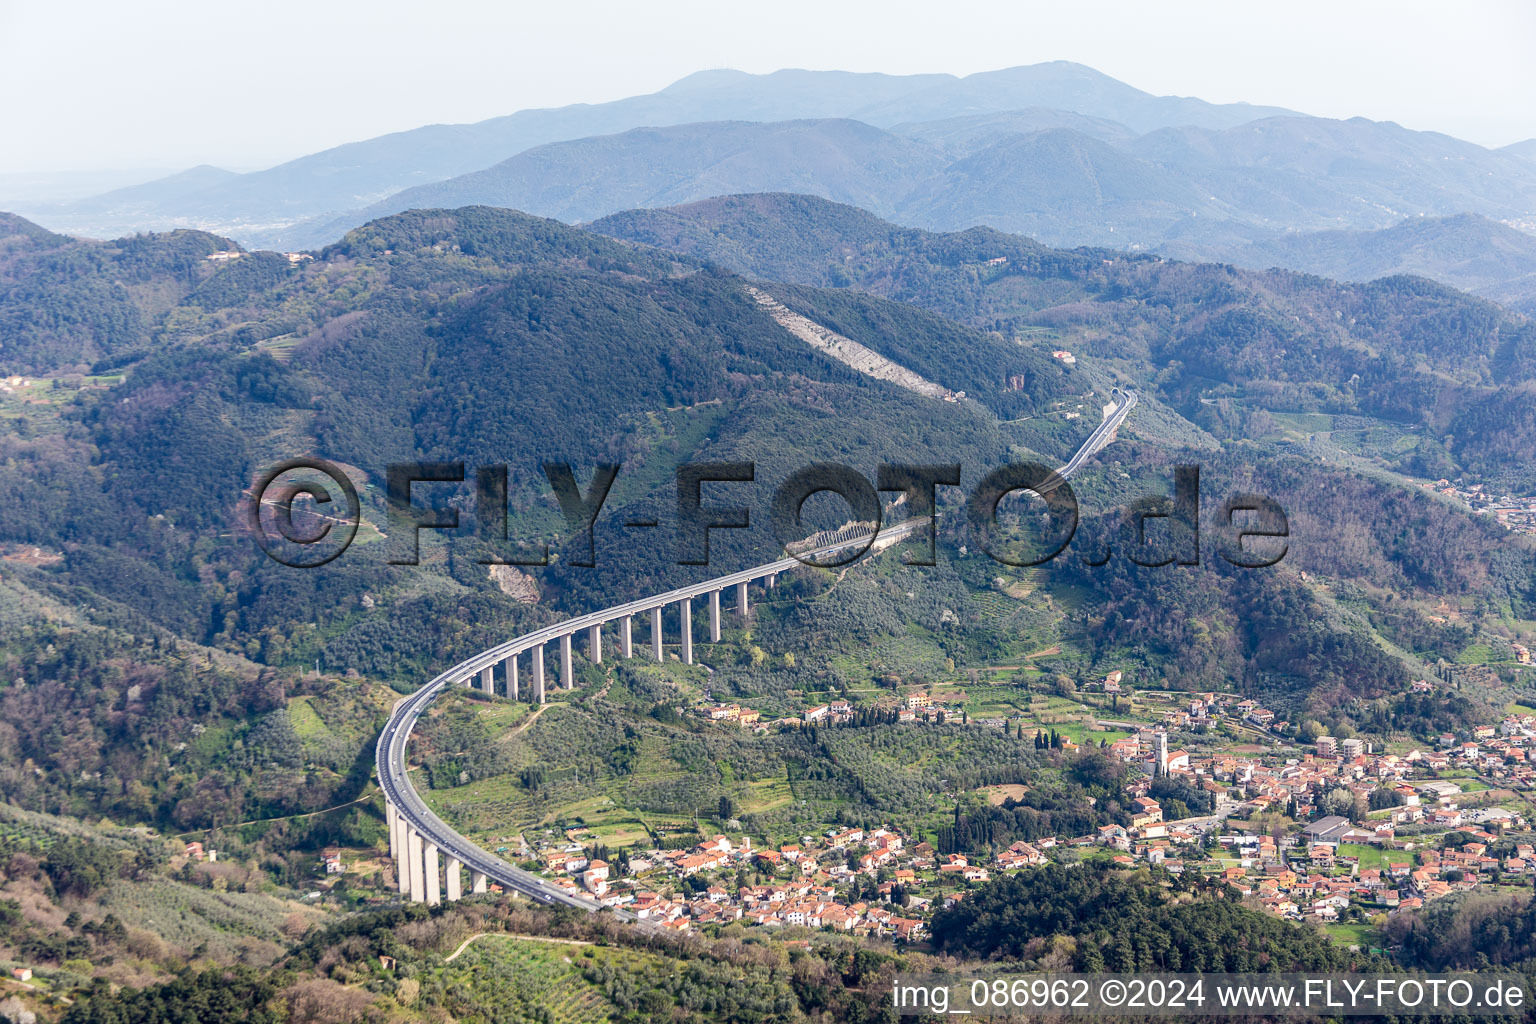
point(490, 337)
point(487, 336)
point(244, 697)
point(67, 303)
point(1334, 398)
point(478, 335)
point(1227, 348)
point(1129, 925)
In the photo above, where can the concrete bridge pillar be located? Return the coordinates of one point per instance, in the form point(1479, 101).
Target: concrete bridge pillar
point(656, 632)
point(741, 599)
point(595, 643)
point(403, 856)
point(403, 863)
point(714, 616)
point(512, 676)
point(538, 674)
point(413, 865)
point(773, 578)
point(478, 882)
point(685, 607)
point(626, 637)
point(488, 681)
point(434, 884)
point(567, 667)
point(454, 879)
point(393, 821)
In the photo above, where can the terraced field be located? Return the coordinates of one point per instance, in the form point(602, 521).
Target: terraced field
point(502, 978)
point(505, 978)
point(307, 723)
point(229, 924)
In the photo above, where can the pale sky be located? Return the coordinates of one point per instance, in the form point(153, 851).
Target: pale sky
point(173, 83)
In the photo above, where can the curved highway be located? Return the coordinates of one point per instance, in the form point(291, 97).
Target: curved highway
point(1102, 434)
point(414, 816)
point(390, 751)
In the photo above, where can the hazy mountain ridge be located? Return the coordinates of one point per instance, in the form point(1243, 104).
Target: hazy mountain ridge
point(1061, 187)
point(358, 174)
point(1470, 252)
point(1056, 151)
point(1061, 85)
point(959, 137)
point(1524, 150)
point(1180, 190)
point(1248, 182)
point(848, 161)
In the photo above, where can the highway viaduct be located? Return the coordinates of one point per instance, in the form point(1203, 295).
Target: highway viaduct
point(430, 856)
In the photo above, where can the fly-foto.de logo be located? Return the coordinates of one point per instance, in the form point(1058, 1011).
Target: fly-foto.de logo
point(306, 512)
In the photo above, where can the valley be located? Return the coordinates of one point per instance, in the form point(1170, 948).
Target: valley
point(871, 767)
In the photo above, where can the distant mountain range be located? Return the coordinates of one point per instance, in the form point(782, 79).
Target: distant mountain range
point(1471, 252)
point(326, 184)
point(1525, 150)
point(1055, 151)
point(1215, 189)
point(843, 160)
